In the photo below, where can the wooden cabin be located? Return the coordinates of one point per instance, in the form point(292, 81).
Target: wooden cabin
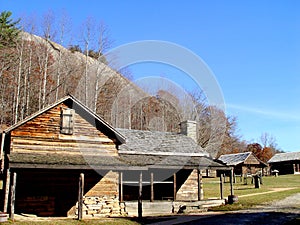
point(285, 163)
point(44, 155)
point(49, 150)
point(245, 163)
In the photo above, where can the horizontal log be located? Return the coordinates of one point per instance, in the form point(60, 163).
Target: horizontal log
point(66, 143)
point(86, 153)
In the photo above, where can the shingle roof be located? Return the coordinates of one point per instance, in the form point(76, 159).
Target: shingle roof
point(171, 161)
point(280, 157)
point(163, 150)
point(159, 143)
point(234, 159)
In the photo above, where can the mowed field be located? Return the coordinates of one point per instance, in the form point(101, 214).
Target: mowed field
point(272, 189)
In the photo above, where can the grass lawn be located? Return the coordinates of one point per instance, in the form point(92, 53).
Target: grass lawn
point(280, 184)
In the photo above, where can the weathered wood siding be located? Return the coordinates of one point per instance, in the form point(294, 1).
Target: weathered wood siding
point(252, 160)
point(42, 135)
point(247, 169)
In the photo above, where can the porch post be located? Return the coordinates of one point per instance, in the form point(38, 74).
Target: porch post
point(174, 187)
point(121, 187)
point(152, 187)
point(140, 206)
point(231, 182)
point(7, 185)
point(2, 152)
point(221, 185)
point(80, 196)
point(13, 196)
point(200, 185)
point(234, 179)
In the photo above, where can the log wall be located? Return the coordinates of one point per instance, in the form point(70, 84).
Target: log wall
point(42, 135)
point(189, 189)
point(102, 200)
point(252, 160)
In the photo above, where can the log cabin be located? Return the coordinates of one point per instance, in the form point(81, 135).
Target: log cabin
point(245, 163)
point(285, 163)
point(43, 157)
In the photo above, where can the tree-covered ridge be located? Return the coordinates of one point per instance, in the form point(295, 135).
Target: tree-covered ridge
point(37, 70)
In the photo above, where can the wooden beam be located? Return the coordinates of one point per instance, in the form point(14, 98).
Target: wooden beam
point(121, 186)
point(2, 151)
point(221, 186)
point(140, 206)
point(74, 167)
point(174, 186)
point(148, 182)
point(234, 179)
point(200, 185)
point(231, 182)
point(13, 196)
point(7, 185)
point(80, 196)
point(152, 187)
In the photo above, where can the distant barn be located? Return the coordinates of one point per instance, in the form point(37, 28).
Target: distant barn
point(286, 163)
point(245, 163)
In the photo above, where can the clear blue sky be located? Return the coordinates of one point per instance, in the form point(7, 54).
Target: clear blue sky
point(253, 48)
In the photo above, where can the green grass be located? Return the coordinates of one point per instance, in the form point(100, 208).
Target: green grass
point(269, 184)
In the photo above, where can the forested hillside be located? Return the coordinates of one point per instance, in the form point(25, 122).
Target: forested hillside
point(36, 71)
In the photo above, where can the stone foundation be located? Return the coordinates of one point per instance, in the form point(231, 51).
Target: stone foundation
point(102, 200)
point(102, 207)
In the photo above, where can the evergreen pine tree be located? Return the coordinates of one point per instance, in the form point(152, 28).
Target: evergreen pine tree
point(8, 29)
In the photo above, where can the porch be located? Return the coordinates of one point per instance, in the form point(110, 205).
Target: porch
point(170, 207)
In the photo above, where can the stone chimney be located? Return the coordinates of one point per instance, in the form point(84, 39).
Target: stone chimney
point(189, 128)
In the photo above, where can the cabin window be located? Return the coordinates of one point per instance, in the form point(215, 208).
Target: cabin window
point(67, 121)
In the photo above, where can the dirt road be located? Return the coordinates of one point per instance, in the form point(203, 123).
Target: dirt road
point(277, 212)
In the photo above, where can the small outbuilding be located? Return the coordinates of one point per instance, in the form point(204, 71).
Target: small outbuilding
point(285, 163)
point(245, 163)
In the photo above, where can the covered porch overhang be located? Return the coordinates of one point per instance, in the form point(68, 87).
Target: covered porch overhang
point(149, 175)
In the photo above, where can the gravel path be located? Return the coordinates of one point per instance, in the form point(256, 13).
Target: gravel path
point(290, 204)
point(274, 213)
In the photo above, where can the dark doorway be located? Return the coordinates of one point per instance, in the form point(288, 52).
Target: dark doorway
point(50, 192)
